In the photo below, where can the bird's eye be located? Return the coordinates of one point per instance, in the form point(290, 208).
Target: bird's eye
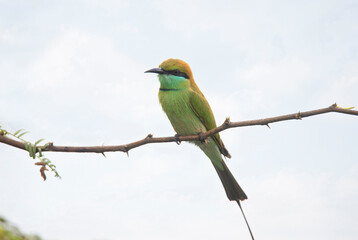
point(176, 72)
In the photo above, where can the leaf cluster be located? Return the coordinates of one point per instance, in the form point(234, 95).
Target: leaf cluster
point(34, 150)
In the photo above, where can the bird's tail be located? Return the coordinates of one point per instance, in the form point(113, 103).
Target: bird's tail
point(233, 190)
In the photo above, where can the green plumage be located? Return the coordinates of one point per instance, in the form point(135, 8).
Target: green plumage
point(190, 113)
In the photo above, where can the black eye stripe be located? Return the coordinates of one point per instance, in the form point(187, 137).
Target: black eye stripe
point(178, 73)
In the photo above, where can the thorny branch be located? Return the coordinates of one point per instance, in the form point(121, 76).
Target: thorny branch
point(150, 139)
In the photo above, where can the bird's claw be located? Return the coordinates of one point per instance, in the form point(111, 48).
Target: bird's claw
point(201, 137)
point(177, 141)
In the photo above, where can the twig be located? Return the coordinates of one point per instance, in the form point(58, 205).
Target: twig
point(150, 139)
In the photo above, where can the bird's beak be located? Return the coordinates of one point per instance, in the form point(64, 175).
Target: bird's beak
point(155, 70)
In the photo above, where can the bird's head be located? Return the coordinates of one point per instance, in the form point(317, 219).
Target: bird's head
point(173, 74)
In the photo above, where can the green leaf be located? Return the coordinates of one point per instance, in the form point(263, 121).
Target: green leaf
point(22, 134)
point(46, 145)
point(40, 152)
point(30, 153)
point(30, 150)
point(38, 141)
point(34, 151)
point(18, 131)
point(27, 146)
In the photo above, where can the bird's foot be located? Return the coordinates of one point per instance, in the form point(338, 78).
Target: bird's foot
point(201, 137)
point(177, 141)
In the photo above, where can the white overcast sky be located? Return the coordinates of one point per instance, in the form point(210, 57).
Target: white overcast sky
point(72, 72)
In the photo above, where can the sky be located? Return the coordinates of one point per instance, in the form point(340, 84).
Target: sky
point(72, 72)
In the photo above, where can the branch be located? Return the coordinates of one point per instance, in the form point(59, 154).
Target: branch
point(150, 139)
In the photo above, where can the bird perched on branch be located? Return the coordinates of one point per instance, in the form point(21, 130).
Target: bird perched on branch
point(189, 113)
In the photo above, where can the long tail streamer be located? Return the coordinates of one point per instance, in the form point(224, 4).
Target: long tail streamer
point(247, 223)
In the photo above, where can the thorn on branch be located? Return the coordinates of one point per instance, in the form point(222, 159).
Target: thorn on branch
point(104, 155)
point(334, 105)
point(268, 125)
point(149, 136)
point(227, 121)
point(126, 150)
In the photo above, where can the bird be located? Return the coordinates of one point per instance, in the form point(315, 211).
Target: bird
point(190, 113)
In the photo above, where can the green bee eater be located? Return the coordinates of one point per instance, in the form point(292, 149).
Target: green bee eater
point(189, 113)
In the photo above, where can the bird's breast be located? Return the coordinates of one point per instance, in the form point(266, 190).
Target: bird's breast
point(176, 104)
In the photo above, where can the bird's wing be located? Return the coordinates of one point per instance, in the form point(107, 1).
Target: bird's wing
point(202, 110)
